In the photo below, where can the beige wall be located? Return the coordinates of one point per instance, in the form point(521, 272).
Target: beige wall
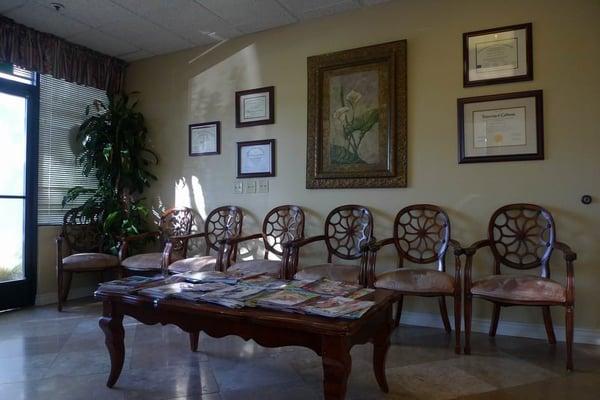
point(176, 92)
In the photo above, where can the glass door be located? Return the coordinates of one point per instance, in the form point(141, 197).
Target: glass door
point(18, 165)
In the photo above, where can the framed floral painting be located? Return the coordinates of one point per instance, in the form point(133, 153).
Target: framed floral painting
point(357, 118)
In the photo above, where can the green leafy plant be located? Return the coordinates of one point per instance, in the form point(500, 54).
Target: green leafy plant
point(113, 141)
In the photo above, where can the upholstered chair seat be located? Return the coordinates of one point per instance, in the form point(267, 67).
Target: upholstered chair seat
point(89, 262)
point(143, 262)
point(251, 267)
point(193, 264)
point(331, 271)
point(519, 288)
point(174, 222)
point(416, 280)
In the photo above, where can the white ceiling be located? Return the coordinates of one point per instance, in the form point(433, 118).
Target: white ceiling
point(136, 29)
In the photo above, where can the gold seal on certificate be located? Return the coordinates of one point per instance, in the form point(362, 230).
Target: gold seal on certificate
point(497, 55)
point(503, 127)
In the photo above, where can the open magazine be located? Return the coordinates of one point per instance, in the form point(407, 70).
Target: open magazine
point(232, 296)
point(334, 307)
point(210, 276)
point(285, 299)
point(127, 285)
point(332, 288)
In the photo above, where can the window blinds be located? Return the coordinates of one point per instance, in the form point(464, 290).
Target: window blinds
point(62, 109)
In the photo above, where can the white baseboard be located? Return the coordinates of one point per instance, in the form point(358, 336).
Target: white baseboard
point(51, 298)
point(508, 328)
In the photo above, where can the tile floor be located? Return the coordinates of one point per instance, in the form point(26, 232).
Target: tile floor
point(49, 355)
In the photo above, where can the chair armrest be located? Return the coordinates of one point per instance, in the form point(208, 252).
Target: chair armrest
point(186, 237)
point(377, 245)
point(569, 254)
point(302, 242)
point(458, 249)
point(235, 240)
point(469, 251)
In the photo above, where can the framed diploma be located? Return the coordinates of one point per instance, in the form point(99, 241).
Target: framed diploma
point(255, 107)
point(502, 127)
point(205, 139)
point(497, 55)
point(256, 158)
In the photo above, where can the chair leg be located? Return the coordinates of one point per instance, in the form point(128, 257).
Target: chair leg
point(548, 325)
point(457, 322)
point(468, 310)
point(444, 313)
point(569, 317)
point(194, 339)
point(64, 285)
point(59, 289)
point(495, 319)
point(398, 311)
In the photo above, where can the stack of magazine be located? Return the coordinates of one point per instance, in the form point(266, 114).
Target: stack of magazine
point(286, 300)
point(210, 276)
point(335, 307)
point(127, 285)
point(234, 296)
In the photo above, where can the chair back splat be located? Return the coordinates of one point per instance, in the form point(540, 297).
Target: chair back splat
point(281, 225)
point(347, 228)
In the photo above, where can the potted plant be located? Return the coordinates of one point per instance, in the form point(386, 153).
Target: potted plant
point(113, 140)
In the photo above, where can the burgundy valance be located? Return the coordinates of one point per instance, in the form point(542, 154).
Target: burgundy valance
point(49, 54)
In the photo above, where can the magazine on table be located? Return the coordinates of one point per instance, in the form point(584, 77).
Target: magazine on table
point(332, 288)
point(165, 291)
point(266, 282)
point(232, 296)
point(196, 291)
point(127, 285)
point(334, 307)
point(210, 276)
point(286, 299)
point(360, 293)
point(299, 283)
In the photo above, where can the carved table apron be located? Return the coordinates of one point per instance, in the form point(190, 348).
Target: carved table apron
point(331, 339)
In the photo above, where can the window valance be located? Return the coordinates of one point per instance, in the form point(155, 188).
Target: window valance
point(49, 54)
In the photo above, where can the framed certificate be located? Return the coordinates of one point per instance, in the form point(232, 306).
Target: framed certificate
point(255, 107)
point(502, 127)
point(497, 55)
point(205, 138)
point(256, 158)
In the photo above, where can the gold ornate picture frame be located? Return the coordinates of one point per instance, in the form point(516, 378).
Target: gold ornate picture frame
point(357, 118)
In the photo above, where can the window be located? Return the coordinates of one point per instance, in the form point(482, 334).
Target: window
point(62, 109)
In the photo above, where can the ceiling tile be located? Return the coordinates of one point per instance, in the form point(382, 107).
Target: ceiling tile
point(6, 5)
point(45, 19)
point(90, 12)
point(185, 18)
point(145, 35)
point(250, 15)
point(136, 55)
point(311, 7)
point(102, 42)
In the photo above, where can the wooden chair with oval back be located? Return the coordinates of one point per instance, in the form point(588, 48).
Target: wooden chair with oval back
point(221, 223)
point(173, 222)
point(522, 237)
point(79, 248)
point(281, 225)
point(421, 236)
point(348, 231)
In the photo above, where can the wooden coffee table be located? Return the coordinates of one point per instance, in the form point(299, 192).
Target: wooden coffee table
point(332, 339)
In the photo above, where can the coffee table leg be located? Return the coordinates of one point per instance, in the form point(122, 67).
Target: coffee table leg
point(112, 326)
point(381, 344)
point(337, 365)
point(194, 339)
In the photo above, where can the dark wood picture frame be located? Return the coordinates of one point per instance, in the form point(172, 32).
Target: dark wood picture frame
point(241, 145)
point(218, 138)
point(539, 125)
point(323, 170)
point(238, 109)
point(528, 76)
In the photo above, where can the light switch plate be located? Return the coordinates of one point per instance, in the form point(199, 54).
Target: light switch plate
point(250, 186)
point(263, 186)
point(238, 187)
